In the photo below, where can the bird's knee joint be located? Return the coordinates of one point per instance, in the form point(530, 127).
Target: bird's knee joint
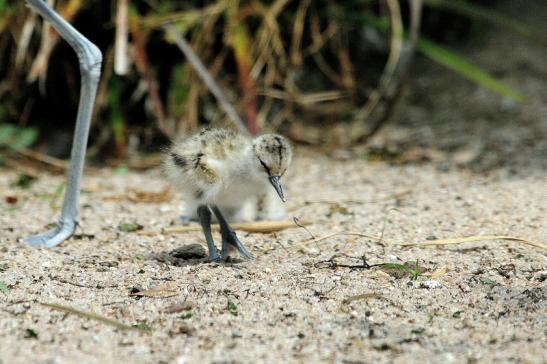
point(90, 58)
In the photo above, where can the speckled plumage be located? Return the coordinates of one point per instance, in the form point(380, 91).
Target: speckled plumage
point(222, 167)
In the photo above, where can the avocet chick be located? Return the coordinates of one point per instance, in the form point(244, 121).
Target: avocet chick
point(221, 170)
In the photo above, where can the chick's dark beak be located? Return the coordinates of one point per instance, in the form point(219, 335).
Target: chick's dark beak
point(276, 183)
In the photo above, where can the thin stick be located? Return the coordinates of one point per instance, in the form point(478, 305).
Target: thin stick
point(206, 77)
point(395, 196)
point(52, 161)
point(121, 66)
point(389, 72)
point(475, 238)
point(91, 316)
point(24, 39)
point(339, 233)
point(251, 227)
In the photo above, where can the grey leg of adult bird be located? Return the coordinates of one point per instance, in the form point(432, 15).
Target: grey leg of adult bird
point(90, 58)
point(229, 237)
point(204, 216)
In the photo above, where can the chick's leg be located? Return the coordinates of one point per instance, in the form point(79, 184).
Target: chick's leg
point(229, 237)
point(204, 216)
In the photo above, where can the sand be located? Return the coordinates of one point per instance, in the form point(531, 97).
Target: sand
point(461, 162)
point(292, 303)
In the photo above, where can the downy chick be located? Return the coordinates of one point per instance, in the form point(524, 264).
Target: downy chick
point(223, 171)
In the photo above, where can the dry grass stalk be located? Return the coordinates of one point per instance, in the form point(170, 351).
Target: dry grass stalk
point(163, 291)
point(178, 307)
point(264, 227)
point(365, 296)
point(438, 272)
point(135, 195)
point(140, 196)
point(44, 158)
point(339, 233)
point(389, 73)
point(91, 316)
point(206, 77)
point(468, 239)
point(395, 196)
point(121, 64)
point(24, 39)
point(298, 31)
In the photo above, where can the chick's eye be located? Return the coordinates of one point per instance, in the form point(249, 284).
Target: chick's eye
point(265, 166)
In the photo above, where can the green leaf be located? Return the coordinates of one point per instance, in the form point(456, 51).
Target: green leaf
point(24, 138)
point(143, 326)
point(23, 181)
point(413, 272)
point(129, 227)
point(395, 266)
point(4, 287)
point(488, 281)
point(232, 308)
point(186, 315)
point(6, 133)
point(121, 170)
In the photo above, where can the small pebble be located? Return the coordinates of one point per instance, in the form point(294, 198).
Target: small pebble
point(430, 284)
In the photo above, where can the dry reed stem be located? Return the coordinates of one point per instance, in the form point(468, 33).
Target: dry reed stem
point(206, 77)
point(163, 291)
point(468, 239)
point(389, 72)
point(91, 316)
point(121, 61)
point(339, 233)
point(24, 39)
point(296, 41)
point(44, 158)
point(395, 196)
point(251, 227)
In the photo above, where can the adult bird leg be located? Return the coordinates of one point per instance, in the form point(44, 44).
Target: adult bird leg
point(229, 237)
point(89, 58)
point(204, 216)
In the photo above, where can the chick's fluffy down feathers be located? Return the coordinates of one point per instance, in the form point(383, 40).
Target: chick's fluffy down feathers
point(219, 167)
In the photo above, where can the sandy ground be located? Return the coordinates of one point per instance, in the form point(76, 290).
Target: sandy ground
point(465, 163)
point(288, 304)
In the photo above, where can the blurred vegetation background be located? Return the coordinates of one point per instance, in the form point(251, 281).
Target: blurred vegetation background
point(316, 71)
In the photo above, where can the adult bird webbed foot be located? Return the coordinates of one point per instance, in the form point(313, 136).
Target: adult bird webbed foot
point(62, 231)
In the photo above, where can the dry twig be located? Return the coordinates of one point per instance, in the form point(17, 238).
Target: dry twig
point(475, 238)
point(251, 227)
point(92, 316)
point(339, 233)
point(206, 77)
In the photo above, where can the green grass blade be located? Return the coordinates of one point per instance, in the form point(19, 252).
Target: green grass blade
point(466, 69)
point(475, 11)
point(452, 61)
